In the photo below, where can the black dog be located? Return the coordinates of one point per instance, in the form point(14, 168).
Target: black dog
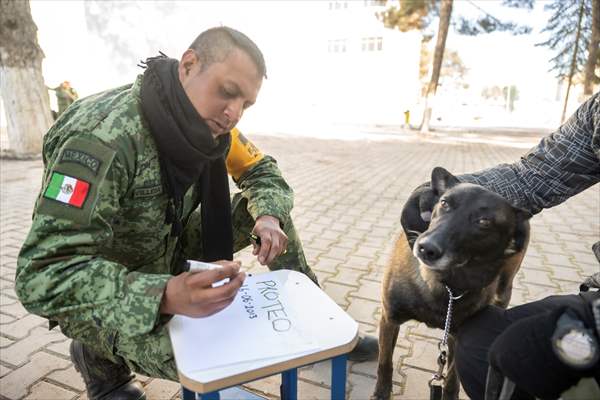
point(474, 245)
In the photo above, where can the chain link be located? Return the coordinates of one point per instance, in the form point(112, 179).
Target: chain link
point(443, 344)
point(448, 323)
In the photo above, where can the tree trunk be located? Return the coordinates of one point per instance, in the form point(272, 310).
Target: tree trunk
point(440, 46)
point(24, 93)
point(424, 64)
point(593, 49)
point(573, 61)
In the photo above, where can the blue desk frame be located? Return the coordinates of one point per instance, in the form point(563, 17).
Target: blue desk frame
point(289, 383)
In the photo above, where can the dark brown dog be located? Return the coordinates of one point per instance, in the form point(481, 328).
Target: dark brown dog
point(474, 245)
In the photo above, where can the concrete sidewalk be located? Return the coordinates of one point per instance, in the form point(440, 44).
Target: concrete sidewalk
point(349, 195)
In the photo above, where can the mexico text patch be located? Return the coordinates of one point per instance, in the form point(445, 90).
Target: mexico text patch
point(68, 190)
point(82, 158)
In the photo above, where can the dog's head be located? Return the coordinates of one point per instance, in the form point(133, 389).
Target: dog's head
point(472, 232)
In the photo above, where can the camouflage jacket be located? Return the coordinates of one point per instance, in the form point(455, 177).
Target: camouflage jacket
point(99, 248)
point(64, 97)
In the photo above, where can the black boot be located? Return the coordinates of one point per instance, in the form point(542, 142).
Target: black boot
point(104, 380)
point(367, 349)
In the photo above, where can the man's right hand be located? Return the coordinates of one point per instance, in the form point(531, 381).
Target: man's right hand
point(192, 294)
point(416, 213)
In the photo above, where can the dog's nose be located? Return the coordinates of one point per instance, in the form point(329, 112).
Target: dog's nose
point(429, 251)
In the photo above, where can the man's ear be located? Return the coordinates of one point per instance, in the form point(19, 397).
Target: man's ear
point(188, 61)
point(442, 180)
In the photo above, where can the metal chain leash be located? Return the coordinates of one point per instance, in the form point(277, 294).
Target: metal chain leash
point(451, 298)
point(435, 384)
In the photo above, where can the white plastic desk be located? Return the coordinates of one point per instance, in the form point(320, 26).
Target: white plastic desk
point(295, 324)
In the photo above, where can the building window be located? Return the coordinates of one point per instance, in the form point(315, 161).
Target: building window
point(338, 5)
point(372, 43)
point(337, 46)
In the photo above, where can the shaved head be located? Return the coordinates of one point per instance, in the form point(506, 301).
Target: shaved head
point(215, 44)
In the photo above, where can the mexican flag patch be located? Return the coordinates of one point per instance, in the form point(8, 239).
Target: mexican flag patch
point(68, 190)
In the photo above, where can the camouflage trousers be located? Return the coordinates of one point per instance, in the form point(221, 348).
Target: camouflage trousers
point(151, 354)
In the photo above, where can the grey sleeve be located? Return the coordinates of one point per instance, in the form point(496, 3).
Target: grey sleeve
point(563, 164)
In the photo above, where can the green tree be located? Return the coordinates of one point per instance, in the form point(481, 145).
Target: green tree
point(570, 29)
point(22, 86)
point(511, 94)
point(453, 69)
point(508, 94)
point(419, 14)
point(492, 92)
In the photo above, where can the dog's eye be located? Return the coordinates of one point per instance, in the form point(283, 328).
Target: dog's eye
point(484, 222)
point(444, 204)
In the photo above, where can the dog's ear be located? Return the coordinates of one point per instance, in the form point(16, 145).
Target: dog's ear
point(521, 235)
point(442, 180)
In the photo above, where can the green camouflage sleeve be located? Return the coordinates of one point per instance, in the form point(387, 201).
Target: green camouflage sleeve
point(60, 274)
point(266, 191)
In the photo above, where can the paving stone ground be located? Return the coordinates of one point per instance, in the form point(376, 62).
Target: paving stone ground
point(349, 195)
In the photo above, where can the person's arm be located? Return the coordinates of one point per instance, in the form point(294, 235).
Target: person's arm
point(259, 179)
point(267, 191)
point(269, 198)
point(560, 166)
point(60, 271)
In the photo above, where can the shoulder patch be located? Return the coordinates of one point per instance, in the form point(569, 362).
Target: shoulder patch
point(73, 181)
point(243, 154)
point(81, 157)
point(250, 147)
point(66, 189)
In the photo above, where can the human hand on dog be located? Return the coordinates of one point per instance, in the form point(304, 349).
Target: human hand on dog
point(273, 241)
point(416, 213)
point(192, 293)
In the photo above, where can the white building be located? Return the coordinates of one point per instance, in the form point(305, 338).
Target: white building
point(335, 63)
point(372, 72)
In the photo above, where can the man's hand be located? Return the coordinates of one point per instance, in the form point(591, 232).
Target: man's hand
point(416, 213)
point(273, 241)
point(531, 353)
point(192, 294)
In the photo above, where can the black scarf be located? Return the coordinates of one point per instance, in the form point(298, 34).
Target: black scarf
point(188, 154)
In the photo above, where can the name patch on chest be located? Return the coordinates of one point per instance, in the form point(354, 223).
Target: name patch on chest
point(81, 158)
point(148, 191)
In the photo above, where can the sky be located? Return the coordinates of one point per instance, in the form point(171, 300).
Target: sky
point(286, 31)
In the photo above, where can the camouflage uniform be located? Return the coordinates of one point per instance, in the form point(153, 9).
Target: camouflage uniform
point(98, 266)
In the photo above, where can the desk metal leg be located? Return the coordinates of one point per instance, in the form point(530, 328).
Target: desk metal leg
point(289, 384)
point(187, 394)
point(338, 377)
point(209, 396)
